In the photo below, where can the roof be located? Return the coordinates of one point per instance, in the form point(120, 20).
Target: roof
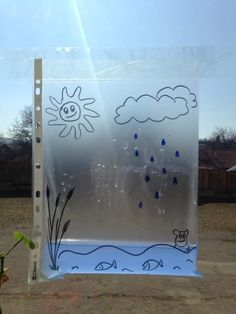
point(217, 157)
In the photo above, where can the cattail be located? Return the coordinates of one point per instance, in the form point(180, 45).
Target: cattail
point(65, 227)
point(48, 192)
point(57, 200)
point(69, 194)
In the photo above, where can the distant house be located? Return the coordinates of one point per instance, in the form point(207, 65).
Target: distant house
point(216, 156)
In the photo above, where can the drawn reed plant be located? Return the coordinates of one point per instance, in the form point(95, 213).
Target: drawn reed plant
point(56, 230)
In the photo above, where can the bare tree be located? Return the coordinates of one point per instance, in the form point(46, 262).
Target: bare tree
point(224, 135)
point(21, 129)
point(215, 150)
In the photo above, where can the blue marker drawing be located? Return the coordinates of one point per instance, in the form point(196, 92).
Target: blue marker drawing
point(177, 154)
point(163, 142)
point(105, 266)
point(147, 178)
point(152, 159)
point(152, 264)
point(157, 195)
point(140, 205)
point(175, 181)
point(164, 171)
point(177, 267)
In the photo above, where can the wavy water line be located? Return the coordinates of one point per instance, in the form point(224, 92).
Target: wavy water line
point(129, 253)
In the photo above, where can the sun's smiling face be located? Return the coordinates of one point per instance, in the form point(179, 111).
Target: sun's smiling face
point(72, 113)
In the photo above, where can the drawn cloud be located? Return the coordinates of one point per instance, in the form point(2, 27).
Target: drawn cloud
point(169, 103)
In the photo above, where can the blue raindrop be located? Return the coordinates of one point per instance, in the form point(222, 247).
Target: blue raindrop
point(164, 171)
point(157, 195)
point(136, 153)
point(175, 181)
point(163, 142)
point(140, 205)
point(135, 136)
point(177, 153)
point(147, 178)
point(152, 159)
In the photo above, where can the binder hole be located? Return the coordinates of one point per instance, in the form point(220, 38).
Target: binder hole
point(37, 91)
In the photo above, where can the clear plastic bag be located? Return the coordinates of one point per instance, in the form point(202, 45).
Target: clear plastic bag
point(115, 163)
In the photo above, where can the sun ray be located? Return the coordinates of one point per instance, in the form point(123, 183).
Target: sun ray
point(54, 103)
point(88, 126)
point(92, 114)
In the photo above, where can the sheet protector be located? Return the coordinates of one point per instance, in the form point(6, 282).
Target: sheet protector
point(115, 165)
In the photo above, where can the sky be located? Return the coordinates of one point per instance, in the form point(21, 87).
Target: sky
point(121, 24)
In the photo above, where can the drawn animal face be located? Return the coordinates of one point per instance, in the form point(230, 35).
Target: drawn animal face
point(181, 237)
point(70, 111)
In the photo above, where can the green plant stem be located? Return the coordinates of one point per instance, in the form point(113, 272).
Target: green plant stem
point(12, 248)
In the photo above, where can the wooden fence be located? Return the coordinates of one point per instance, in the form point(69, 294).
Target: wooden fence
point(217, 182)
point(15, 178)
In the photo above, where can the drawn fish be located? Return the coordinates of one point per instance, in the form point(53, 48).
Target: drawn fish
point(105, 266)
point(152, 264)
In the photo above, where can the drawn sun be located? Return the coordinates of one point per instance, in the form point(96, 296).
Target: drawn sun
point(72, 113)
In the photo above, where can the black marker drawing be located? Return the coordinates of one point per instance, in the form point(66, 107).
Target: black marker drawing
point(105, 266)
point(74, 267)
point(102, 247)
point(71, 113)
point(152, 264)
point(189, 260)
point(177, 267)
point(181, 238)
point(142, 260)
point(169, 103)
point(127, 269)
point(55, 229)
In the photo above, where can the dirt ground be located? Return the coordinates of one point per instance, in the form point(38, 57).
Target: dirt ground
point(214, 293)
